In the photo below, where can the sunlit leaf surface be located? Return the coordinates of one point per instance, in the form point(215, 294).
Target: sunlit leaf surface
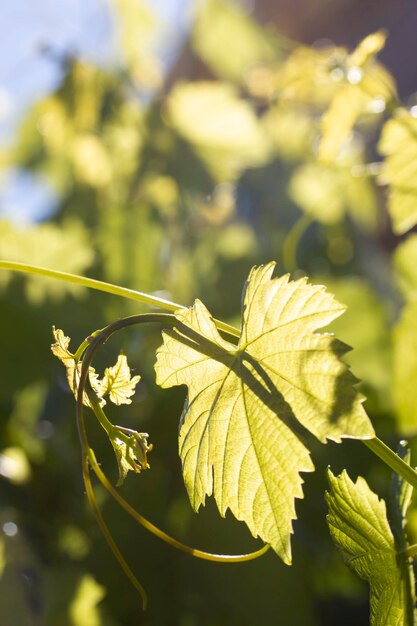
point(404, 380)
point(118, 383)
point(405, 263)
point(242, 429)
point(62, 248)
point(222, 127)
point(221, 24)
point(359, 527)
point(61, 350)
point(399, 145)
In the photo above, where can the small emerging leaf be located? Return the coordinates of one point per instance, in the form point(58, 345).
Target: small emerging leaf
point(131, 449)
point(359, 527)
point(61, 351)
point(118, 383)
point(240, 433)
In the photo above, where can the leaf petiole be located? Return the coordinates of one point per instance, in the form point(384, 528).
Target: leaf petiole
point(88, 350)
point(390, 458)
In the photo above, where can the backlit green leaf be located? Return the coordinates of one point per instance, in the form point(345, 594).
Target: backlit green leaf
point(400, 498)
point(241, 435)
point(327, 192)
point(405, 264)
point(118, 383)
point(346, 107)
point(230, 41)
point(399, 145)
point(359, 527)
point(131, 449)
point(222, 128)
point(63, 248)
point(365, 87)
point(404, 379)
point(61, 350)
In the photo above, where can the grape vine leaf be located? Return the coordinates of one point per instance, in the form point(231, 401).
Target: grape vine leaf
point(60, 349)
point(65, 248)
point(230, 57)
point(327, 192)
point(131, 450)
point(399, 145)
point(365, 87)
point(405, 263)
point(404, 367)
point(240, 433)
point(359, 527)
point(221, 127)
point(118, 383)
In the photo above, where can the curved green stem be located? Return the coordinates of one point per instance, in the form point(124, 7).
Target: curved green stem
point(107, 534)
point(97, 339)
point(292, 240)
point(200, 554)
point(391, 459)
point(99, 285)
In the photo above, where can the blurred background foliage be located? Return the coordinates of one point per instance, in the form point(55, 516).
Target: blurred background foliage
point(175, 178)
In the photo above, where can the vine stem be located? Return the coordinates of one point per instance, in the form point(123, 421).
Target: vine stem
point(107, 534)
point(410, 551)
point(100, 285)
point(97, 339)
point(391, 459)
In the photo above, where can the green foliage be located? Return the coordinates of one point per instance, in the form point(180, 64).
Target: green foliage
point(365, 87)
point(327, 192)
point(262, 150)
point(220, 126)
point(405, 260)
point(73, 367)
point(238, 436)
point(249, 47)
point(118, 383)
point(405, 370)
point(398, 144)
point(65, 248)
point(359, 527)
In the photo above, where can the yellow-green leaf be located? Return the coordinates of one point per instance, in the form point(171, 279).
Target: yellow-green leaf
point(61, 350)
point(404, 377)
point(346, 107)
point(365, 87)
point(327, 192)
point(359, 527)
point(222, 128)
point(399, 145)
point(117, 382)
point(241, 435)
point(65, 248)
point(230, 41)
point(131, 449)
point(405, 264)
